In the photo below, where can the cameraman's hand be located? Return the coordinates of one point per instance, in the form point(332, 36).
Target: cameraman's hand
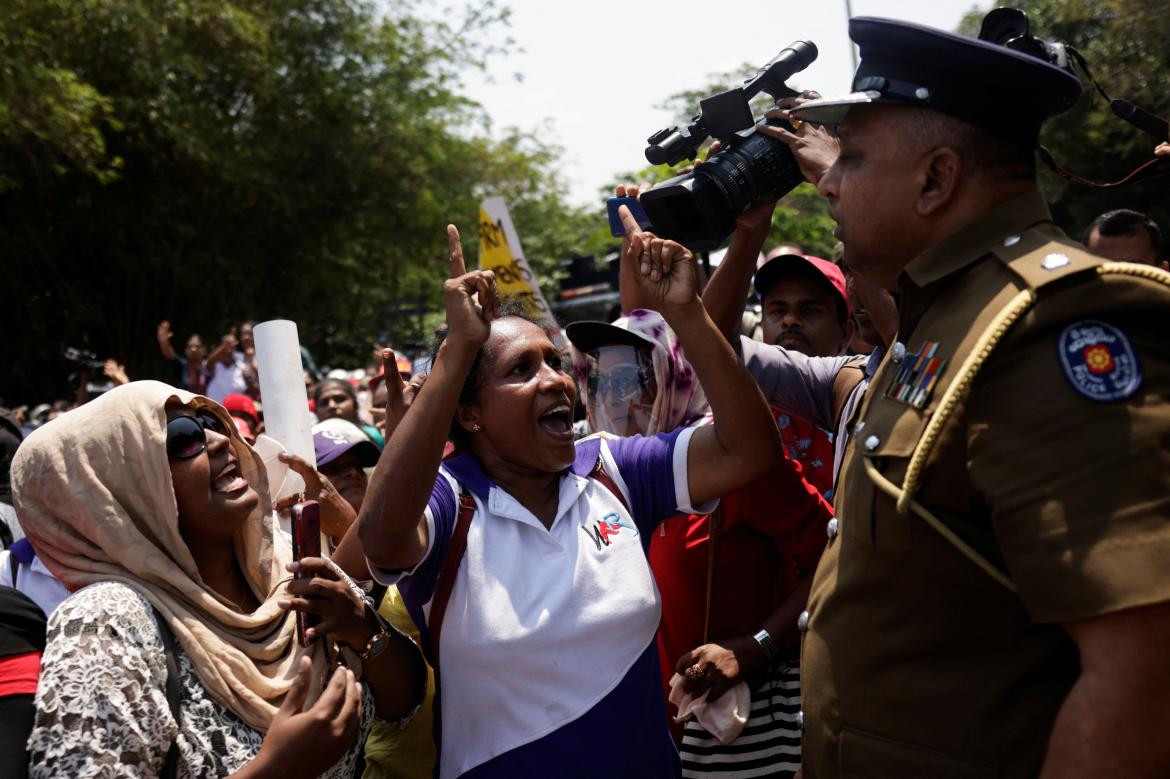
point(307, 742)
point(631, 190)
point(665, 270)
point(813, 146)
point(1162, 150)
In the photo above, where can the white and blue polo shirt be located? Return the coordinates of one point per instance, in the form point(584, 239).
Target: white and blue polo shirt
point(548, 655)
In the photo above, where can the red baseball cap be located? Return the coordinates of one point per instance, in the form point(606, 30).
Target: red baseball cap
point(241, 404)
point(244, 427)
point(776, 267)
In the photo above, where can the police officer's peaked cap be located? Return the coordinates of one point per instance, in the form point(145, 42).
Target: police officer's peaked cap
point(979, 82)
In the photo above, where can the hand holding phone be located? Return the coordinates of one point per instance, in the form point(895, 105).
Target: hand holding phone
point(306, 541)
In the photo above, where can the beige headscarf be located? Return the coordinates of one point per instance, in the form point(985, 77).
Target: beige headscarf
point(94, 495)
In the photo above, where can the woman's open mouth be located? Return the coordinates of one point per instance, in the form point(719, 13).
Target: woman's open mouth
point(230, 481)
point(557, 422)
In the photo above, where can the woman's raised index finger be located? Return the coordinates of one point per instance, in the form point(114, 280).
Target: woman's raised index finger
point(390, 375)
point(628, 221)
point(455, 250)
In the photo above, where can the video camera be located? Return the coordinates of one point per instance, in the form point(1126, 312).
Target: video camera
point(699, 209)
point(85, 358)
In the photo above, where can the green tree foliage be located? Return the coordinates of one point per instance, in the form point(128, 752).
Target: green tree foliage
point(1127, 45)
point(207, 161)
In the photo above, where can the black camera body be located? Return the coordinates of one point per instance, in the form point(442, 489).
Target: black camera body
point(85, 358)
point(699, 209)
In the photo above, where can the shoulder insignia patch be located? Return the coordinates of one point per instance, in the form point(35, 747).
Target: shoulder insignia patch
point(1099, 361)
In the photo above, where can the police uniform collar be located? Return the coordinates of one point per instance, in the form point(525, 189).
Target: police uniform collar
point(969, 243)
point(468, 471)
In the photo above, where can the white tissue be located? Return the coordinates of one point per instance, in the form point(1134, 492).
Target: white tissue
point(724, 719)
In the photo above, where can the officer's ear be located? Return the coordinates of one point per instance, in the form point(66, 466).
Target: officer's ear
point(939, 174)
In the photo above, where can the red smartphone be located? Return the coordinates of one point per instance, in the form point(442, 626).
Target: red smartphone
point(306, 541)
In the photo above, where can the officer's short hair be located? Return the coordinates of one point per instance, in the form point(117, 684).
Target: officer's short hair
point(981, 150)
point(1123, 221)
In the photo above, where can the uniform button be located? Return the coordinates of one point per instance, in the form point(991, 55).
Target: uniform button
point(1054, 261)
point(872, 443)
point(859, 426)
point(802, 621)
point(800, 719)
point(831, 528)
point(897, 351)
point(1011, 240)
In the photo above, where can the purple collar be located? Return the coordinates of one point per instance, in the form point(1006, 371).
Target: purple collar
point(467, 469)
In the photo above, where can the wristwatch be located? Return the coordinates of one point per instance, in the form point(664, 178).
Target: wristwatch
point(377, 643)
point(768, 645)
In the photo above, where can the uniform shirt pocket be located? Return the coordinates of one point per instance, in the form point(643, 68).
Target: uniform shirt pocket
point(863, 754)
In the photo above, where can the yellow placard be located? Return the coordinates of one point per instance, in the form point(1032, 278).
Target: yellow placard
point(499, 252)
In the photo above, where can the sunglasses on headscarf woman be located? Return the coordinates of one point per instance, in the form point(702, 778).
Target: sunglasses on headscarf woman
point(186, 436)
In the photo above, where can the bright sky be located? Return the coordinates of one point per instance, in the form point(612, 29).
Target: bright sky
point(596, 70)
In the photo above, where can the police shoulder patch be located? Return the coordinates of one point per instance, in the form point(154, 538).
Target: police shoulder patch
point(1099, 361)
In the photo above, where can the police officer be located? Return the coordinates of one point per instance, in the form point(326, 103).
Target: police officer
point(994, 597)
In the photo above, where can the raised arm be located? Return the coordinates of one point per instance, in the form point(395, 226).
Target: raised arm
point(164, 335)
point(742, 444)
point(224, 351)
point(391, 524)
point(727, 291)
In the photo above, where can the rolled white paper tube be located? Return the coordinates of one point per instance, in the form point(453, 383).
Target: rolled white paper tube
point(282, 392)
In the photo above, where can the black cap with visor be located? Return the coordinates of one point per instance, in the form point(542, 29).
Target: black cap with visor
point(991, 86)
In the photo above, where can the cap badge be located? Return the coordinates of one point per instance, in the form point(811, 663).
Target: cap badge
point(1099, 361)
point(917, 376)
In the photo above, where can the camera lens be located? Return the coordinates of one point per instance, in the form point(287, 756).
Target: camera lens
point(699, 209)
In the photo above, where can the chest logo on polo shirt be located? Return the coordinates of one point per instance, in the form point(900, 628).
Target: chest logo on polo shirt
point(1099, 361)
point(606, 528)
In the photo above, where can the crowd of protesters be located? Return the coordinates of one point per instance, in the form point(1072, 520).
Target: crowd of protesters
point(583, 552)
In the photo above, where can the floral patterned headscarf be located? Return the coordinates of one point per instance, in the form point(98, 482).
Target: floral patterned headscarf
point(680, 401)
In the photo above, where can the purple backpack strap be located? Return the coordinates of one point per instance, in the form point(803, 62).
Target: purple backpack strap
point(445, 583)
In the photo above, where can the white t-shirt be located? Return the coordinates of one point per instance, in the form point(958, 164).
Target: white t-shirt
point(227, 379)
point(549, 632)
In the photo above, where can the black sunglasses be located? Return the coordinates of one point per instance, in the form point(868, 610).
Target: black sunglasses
point(186, 437)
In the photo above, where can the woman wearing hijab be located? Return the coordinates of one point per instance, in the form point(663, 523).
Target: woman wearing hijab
point(522, 557)
point(732, 583)
point(151, 509)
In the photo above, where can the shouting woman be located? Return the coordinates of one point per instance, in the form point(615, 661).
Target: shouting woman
point(523, 556)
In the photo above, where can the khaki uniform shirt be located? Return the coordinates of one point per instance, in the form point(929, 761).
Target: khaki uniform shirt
point(915, 661)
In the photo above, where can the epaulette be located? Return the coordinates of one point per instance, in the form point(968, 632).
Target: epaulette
point(1038, 259)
